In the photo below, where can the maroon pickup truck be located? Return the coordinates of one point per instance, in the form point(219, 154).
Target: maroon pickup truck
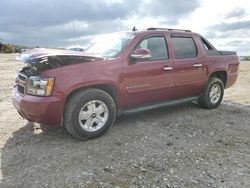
point(122, 73)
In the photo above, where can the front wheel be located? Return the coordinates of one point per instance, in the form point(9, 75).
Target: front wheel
point(89, 113)
point(212, 94)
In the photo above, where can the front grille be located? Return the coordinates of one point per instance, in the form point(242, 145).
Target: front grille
point(22, 77)
point(20, 89)
point(21, 86)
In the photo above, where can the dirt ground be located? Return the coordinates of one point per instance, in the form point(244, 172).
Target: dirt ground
point(181, 146)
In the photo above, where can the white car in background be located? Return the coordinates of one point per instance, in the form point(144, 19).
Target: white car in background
point(77, 48)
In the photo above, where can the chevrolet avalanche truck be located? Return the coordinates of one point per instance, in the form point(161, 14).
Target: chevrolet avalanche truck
point(122, 73)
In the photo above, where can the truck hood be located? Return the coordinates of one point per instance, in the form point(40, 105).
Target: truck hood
point(40, 60)
point(30, 56)
point(35, 52)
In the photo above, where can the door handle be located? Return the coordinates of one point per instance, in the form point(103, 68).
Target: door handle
point(197, 65)
point(167, 68)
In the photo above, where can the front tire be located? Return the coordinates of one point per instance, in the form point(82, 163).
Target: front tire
point(212, 94)
point(89, 113)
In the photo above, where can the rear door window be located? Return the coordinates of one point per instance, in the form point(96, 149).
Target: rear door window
point(184, 47)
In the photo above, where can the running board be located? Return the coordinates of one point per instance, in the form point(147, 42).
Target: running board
point(156, 105)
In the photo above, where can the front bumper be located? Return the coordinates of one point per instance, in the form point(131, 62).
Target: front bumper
point(45, 110)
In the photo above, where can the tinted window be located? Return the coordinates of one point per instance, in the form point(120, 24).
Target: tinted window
point(209, 50)
point(157, 46)
point(184, 47)
point(205, 44)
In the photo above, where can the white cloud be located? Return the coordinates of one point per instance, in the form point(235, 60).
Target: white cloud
point(213, 12)
point(223, 22)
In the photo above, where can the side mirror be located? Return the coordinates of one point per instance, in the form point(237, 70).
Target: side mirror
point(141, 54)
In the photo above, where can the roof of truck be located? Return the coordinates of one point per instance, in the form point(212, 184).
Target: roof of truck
point(170, 30)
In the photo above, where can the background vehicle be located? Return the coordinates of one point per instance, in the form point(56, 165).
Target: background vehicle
point(77, 48)
point(122, 73)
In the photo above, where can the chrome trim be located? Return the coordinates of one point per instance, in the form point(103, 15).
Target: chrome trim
point(197, 65)
point(22, 81)
point(140, 56)
point(167, 68)
point(22, 77)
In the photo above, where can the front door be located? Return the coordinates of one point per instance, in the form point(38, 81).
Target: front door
point(150, 80)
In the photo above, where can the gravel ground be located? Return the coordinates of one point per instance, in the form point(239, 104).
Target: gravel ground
point(180, 146)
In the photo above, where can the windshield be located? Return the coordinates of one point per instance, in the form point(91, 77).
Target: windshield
point(110, 45)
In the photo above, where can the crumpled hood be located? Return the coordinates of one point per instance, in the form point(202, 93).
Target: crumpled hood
point(40, 60)
point(35, 53)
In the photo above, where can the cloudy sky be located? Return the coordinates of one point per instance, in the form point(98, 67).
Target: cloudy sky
point(62, 23)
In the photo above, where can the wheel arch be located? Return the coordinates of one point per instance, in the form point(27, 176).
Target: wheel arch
point(221, 74)
point(108, 88)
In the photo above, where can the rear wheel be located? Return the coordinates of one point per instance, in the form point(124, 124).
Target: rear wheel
point(212, 95)
point(89, 113)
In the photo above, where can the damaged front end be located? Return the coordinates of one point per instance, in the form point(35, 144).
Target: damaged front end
point(43, 63)
point(29, 80)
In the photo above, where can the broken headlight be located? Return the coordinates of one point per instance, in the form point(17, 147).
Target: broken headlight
point(40, 86)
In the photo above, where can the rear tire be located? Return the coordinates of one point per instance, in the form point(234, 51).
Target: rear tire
point(212, 94)
point(89, 113)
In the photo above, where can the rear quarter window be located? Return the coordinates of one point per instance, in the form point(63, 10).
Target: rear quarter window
point(184, 47)
point(209, 50)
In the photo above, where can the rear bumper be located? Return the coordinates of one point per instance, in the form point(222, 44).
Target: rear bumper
point(232, 74)
point(231, 79)
point(45, 110)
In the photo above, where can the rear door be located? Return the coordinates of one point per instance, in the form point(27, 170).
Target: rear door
point(188, 67)
point(149, 80)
